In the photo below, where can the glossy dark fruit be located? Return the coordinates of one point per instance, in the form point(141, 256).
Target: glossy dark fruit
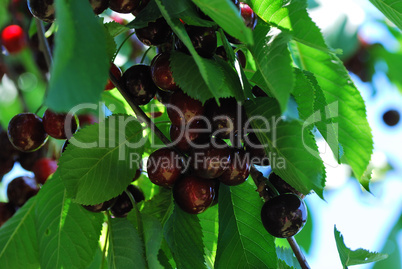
point(281, 186)
point(13, 39)
point(138, 82)
point(284, 215)
point(140, 7)
point(59, 125)
point(162, 73)
point(138, 173)
point(28, 159)
point(194, 194)
point(20, 189)
point(87, 119)
point(43, 168)
point(258, 92)
point(8, 154)
point(211, 161)
point(186, 137)
point(249, 17)
point(391, 117)
point(123, 205)
point(98, 6)
point(164, 167)
point(42, 9)
point(256, 150)
point(123, 6)
point(26, 132)
point(156, 33)
point(239, 168)
point(182, 108)
point(7, 210)
point(227, 119)
point(163, 96)
point(116, 71)
point(100, 207)
point(203, 39)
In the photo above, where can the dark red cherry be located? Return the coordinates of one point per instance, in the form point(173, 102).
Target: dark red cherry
point(156, 33)
point(20, 189)
point(211, 161)
point(391, 117)
point(281, 186)
point(123, 205)
point(256, 150)
point(250, 18)
point(284, 215)
point(194, 194)
point(87, 119)
point(7, 210)
point(116, 71)
point(13, 38)
point(98, 6)
point(182, 108)
point(203, 39)
point(26, 132)
point(164, 167)
point(43, 168)
point(138, 83)
point(59, 125)
point(138, 173)
point(162, 73)
point(42, 9)
point(123, 6)
point(100, 207)
point(186, 137)
point(238, 170)
point(7, 150)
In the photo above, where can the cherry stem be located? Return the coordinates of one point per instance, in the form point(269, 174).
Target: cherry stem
point(121, 45)
point(145, 54)
point(109, 219)
point(43, 44)
point(272, 187)
point(299, 254)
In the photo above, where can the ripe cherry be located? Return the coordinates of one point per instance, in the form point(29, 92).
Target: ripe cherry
point(249, 17)
point(239, 168)
point(203, 39)
point(27, 160)
point(194, 194)
point(187, 136)
point(116, 71)
point(59, 125)
point(42, 9)
point(13, 38)
point(284, 215)
point(138, 83)
point(7, 210)
point(281, 186)
point(43, 168)
point(156, 33)
point(8, 154)
point(87, 119)
point(162, 73)
point(391, 117)
point(20, 189)
point(98, 6)
point(100, 207)
point(26, 132)
point(164, 167)
point(182, 108)
point(123, 6)
point(123, 205)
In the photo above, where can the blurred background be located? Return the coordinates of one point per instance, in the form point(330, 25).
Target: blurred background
point(371, 50)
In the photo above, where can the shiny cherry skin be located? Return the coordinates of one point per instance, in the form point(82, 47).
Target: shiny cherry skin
point(123, 6)
point(13, 38)
point(156, 33)
point(164, 167)
point(42, 9)
point(203, 39)
point(43, 168)
point(184, 137)
point(249, 17)
point(281, 186)
point(8, 154)
point(7, 210)
point(239, 168)
point(59, 125)
point(256, 150)
point(20, 189)
point(27, 160)
point(138, 83)
point(98, 6)
point(284, 215)
point(211, 161)
point(116, 71)
point(26, 132)
point(391, 117)
point(123, 205)
point(182, 108)
point(87, 119)
point(138, 173)
point(162, 73)
point(100, 207)
point(194, 194)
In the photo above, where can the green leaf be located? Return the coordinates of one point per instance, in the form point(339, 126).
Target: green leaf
point(289, 145)
point(4, 13)
point(283, 265)
point(209, 221)
point(354, 257)
point(153, 236)
point(186, 11)
point(273, 61)
point(149, 14)
point(345, 107)
point(101, 160)
point(287, 256)
point(160, 206)
point(227, 16)
point(392, 9)
point(125, 245)
point(243, 242)
point(18, 239)
point(115, 28)
point(81, 62)
point(68, 234)
point(183, 229)
point(293, 17)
